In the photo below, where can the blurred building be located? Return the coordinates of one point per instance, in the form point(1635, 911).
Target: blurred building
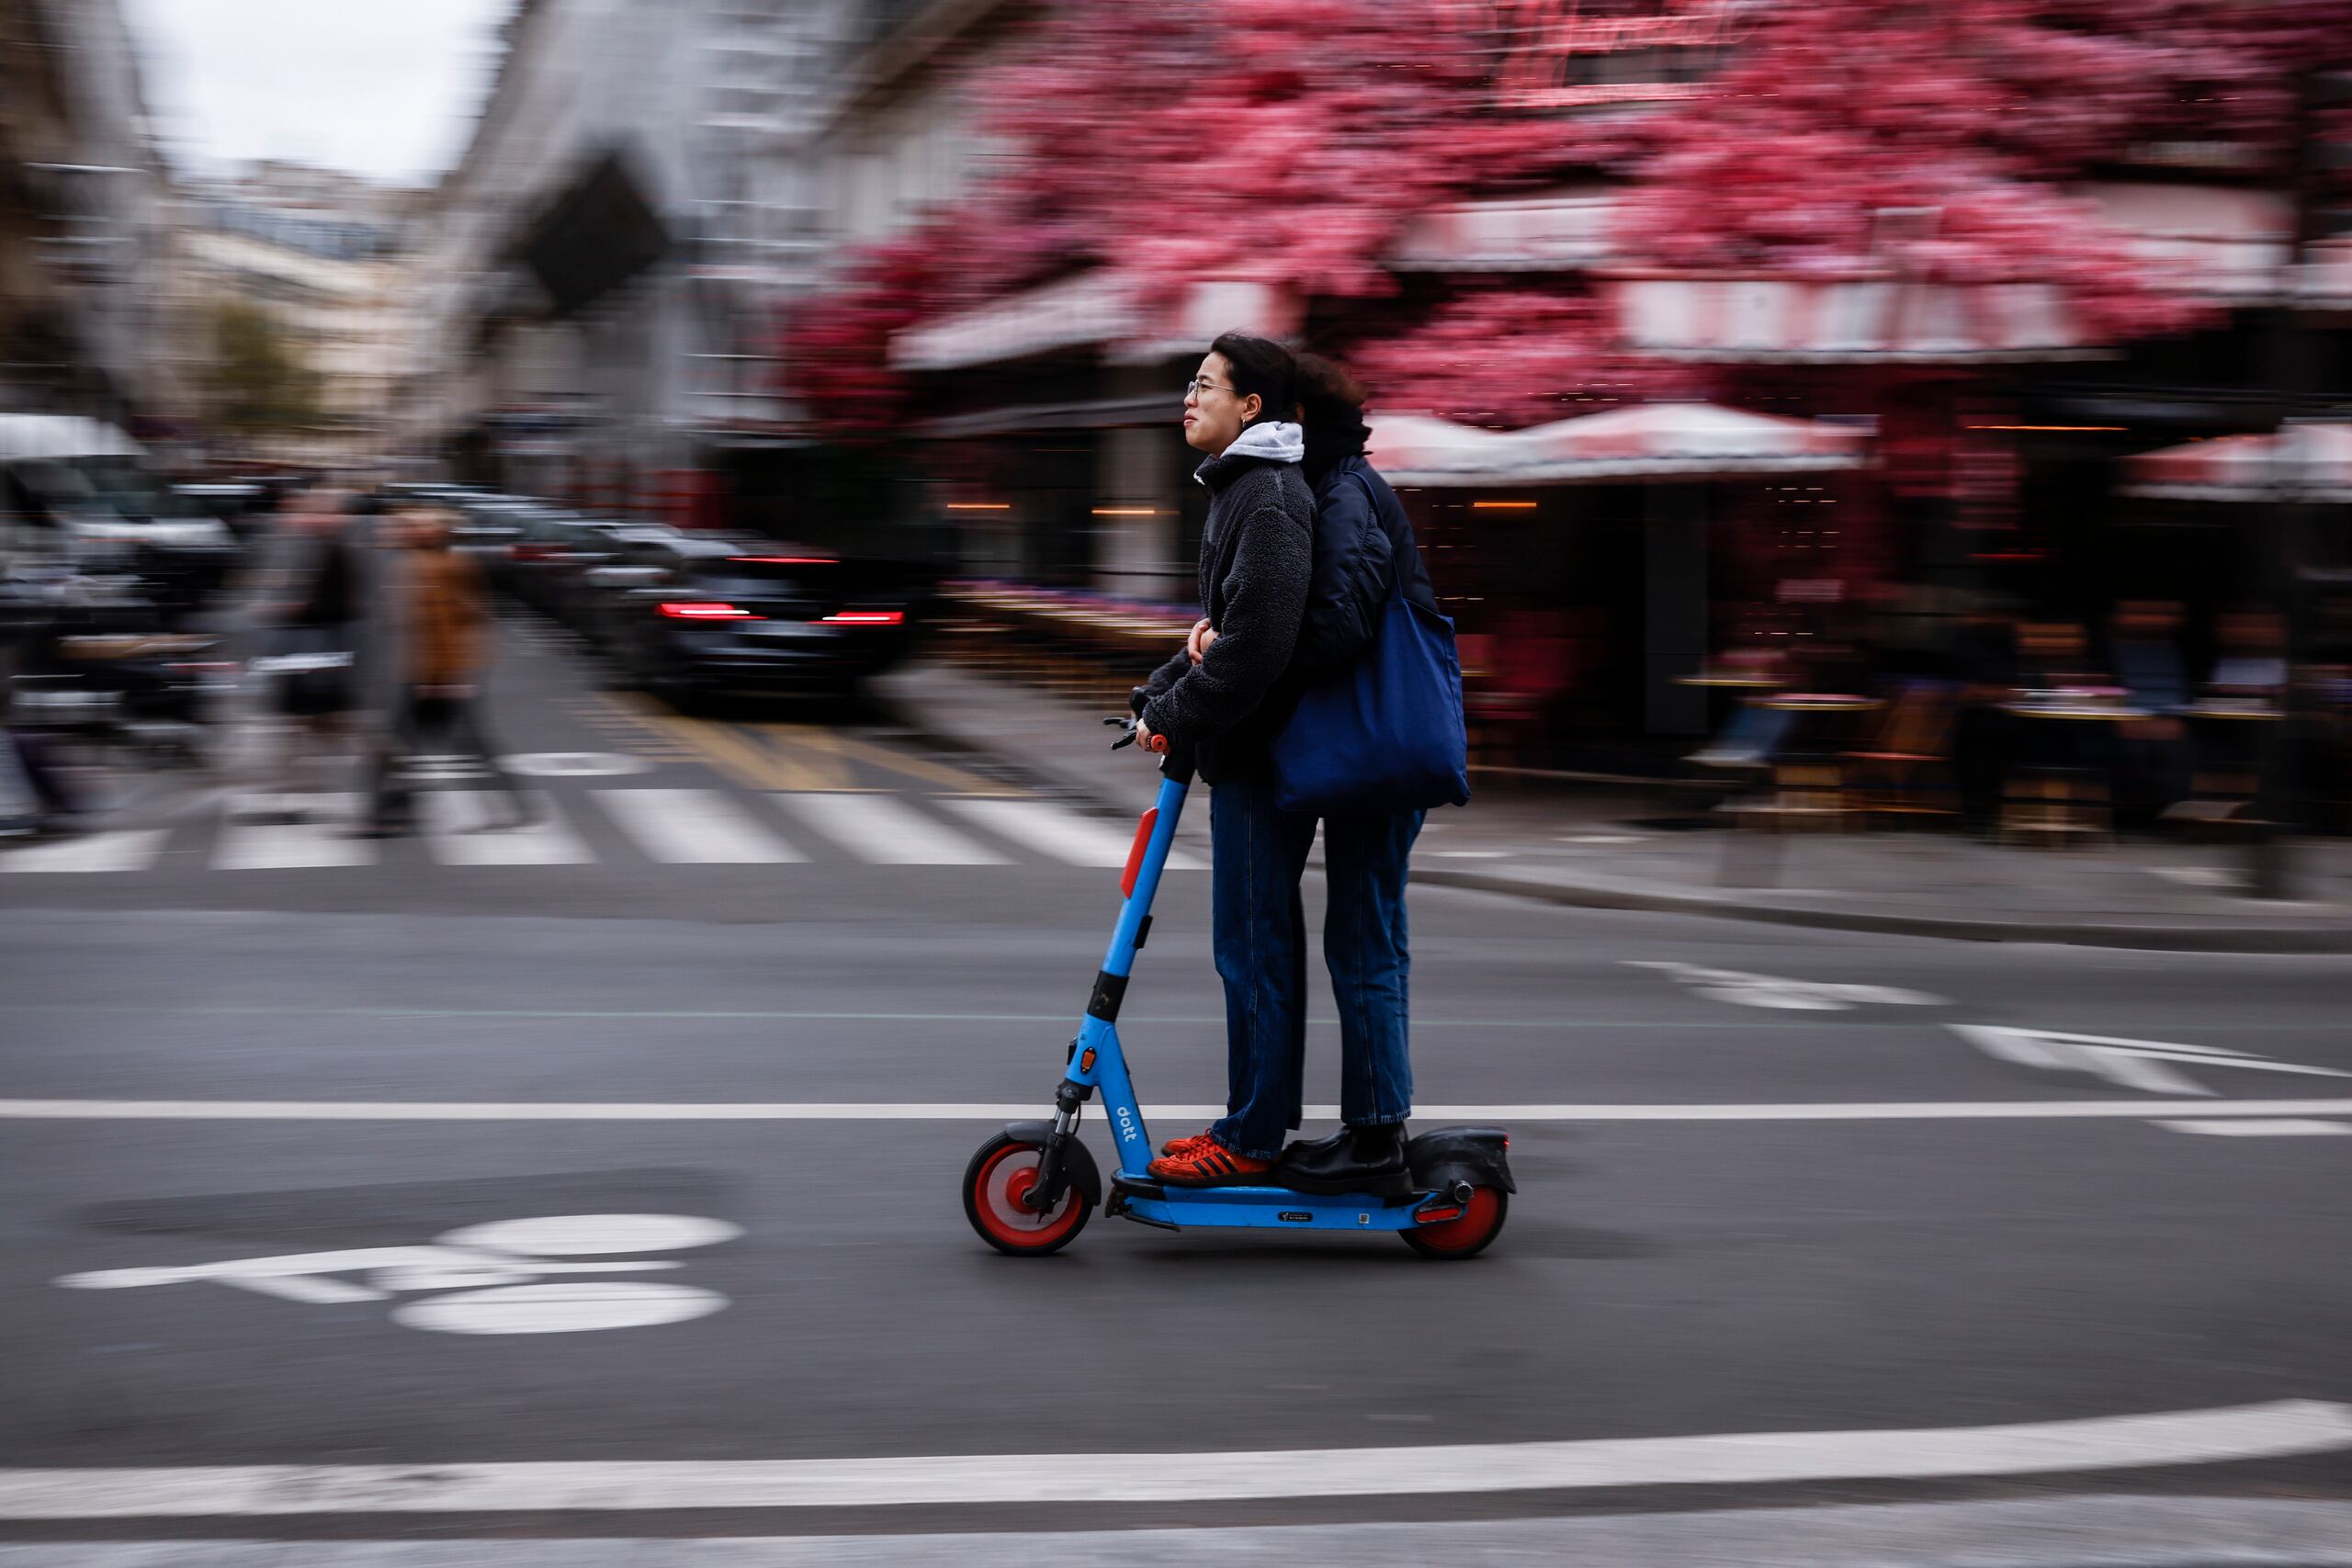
point(85, 233)
point(652, 184)
point(1998, 419)
point(601, 269)
point(313, 260)
point(659, 195)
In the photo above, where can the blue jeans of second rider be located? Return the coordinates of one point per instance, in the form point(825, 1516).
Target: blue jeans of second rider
point(1259, 937)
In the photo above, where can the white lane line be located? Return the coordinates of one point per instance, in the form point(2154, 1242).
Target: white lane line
point(2261, 1127)
point(323, 838)
point(458, 822)
point(128, 848)
point(917, 1111)
point(887, 831)
point(1063, 834)
point(2151, 1531)
point(695, 826)
point(2280, 1428)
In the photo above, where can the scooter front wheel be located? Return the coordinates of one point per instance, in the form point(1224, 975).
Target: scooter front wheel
point(999, 1178)
point(1469, 1232)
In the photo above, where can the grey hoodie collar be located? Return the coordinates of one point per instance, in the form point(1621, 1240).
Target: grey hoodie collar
point(1276, 440)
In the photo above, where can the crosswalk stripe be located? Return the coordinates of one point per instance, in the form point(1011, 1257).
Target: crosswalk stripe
point(458, 821)
point(887, 831)
point(323, 839)
point(123, 849)
point(694, 827)
point(1060, 832)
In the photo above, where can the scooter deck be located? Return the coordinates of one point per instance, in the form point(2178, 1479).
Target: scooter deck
point(1153, 1202)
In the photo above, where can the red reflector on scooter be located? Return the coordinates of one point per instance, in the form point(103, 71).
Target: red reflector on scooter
point(1135, 852)
point(1436, 1216)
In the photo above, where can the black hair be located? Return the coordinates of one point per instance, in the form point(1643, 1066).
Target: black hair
point(1264, 367)
point(1330, 405)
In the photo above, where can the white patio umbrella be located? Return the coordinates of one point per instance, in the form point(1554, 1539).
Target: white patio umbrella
point(1652, 440)
point(2308, 460)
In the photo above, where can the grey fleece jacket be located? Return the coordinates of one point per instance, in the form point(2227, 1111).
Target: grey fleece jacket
point(1255, 556)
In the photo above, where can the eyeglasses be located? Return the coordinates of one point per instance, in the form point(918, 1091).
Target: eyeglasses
point(1203, 386)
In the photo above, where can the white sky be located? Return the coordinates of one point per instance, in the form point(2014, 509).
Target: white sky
point(386, 88)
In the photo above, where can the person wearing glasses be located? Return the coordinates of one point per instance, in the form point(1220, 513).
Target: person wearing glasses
point(1225, 710)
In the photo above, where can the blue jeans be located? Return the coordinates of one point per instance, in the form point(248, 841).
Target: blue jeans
point(1258, 933)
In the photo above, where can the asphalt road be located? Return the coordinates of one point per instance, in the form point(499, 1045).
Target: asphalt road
point(1773, 1182)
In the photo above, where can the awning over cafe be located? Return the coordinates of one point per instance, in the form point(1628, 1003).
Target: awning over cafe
point(1668, 441)
point(1565, 229)
point(1786, 321)
point(2304, 462)
point(2225, 243)
point(1103, 308)
point(2324, 278)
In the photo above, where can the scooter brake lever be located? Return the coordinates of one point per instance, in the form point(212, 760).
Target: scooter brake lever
point(1126, 739)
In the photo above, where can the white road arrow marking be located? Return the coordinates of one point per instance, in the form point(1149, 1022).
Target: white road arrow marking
point(2134, 1064)
point(1772, 991)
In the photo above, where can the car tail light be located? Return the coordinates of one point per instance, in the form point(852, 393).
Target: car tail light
point(867, 618)
point(705, 609)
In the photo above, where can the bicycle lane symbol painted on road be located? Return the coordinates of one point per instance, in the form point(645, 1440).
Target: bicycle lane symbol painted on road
point(490, 1275)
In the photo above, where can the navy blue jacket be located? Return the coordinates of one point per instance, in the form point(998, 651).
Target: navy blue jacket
point(1362, 538)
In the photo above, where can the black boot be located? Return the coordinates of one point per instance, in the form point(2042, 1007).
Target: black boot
point(1353, 1159)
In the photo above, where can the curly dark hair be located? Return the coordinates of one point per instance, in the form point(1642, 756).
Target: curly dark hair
point(1330, 405)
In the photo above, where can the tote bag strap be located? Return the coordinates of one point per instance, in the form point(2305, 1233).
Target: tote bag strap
point(1396, 567)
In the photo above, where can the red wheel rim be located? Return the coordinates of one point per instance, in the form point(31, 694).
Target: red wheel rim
point(1475, 1224)
point(997, 1192)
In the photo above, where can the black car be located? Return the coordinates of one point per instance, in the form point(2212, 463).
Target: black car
point(555, 548)
point(712, 615)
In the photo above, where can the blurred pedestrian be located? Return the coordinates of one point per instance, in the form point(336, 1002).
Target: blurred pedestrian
point(436, 595)
point(316, 647)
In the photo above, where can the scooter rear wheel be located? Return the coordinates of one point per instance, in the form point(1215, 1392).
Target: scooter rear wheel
point(994, 1183)
point(1481, 1222)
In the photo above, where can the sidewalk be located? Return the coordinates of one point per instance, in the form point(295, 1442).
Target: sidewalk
point(1595, 847)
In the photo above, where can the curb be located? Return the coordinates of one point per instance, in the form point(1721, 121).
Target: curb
point(1596, 895)
point(1600, 893)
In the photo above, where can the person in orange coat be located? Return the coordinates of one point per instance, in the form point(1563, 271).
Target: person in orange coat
point(439, 597)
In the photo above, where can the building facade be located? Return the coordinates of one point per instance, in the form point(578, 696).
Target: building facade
point(84, 221)
point(601, 271)
point(316, 262)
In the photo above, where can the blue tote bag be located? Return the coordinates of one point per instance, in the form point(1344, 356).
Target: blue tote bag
point(1387, 734)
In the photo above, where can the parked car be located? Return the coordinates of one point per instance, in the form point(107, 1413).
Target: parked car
point(89, 655)
point(598, 597)
point(697, 616)
point(554, 552)
point(242, 506)
point(79, 490)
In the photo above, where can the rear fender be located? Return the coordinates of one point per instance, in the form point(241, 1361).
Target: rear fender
point(1447, 1155)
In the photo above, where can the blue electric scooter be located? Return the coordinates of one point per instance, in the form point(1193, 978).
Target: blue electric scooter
point(1029, 1190)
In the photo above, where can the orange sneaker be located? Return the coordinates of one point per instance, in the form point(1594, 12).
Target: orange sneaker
point(1187, 1144)
point(1208, 1164)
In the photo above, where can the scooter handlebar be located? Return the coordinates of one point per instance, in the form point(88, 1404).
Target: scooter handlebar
point(1175, 761)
